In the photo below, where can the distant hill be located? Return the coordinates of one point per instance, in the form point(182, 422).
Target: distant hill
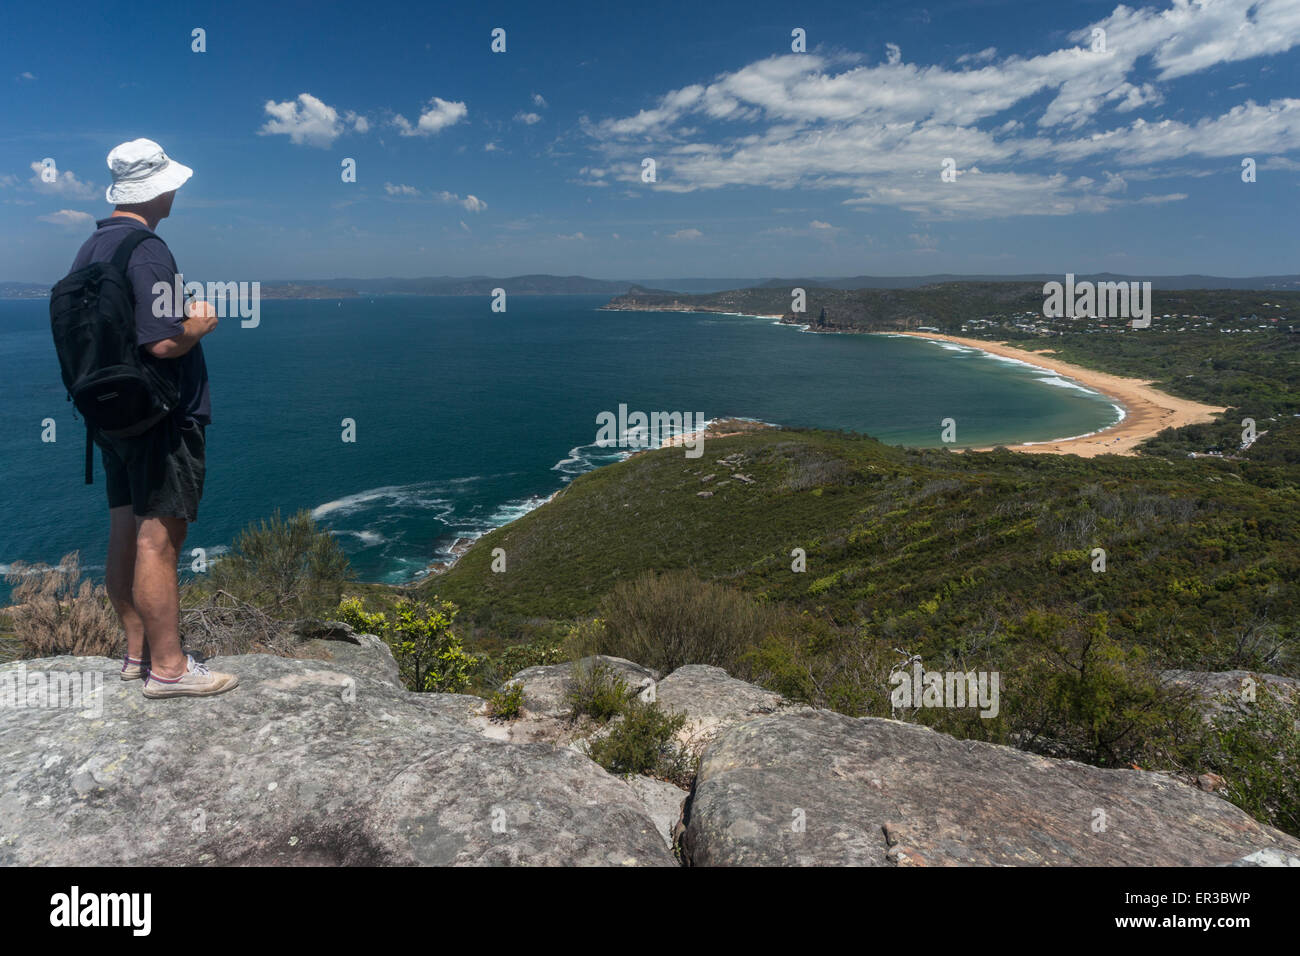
point(1259, 283)
point(944, 305)
point(23, 290)
point(482, 285)
point(545, 284)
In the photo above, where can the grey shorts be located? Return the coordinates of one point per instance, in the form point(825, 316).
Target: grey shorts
point(159, 474)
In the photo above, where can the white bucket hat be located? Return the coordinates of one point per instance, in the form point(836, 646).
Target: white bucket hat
point(141, 171)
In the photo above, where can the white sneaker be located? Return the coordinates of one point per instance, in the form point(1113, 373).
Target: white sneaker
point(134, 668)
point(197, 681)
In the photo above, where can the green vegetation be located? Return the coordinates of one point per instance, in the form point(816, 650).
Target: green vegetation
point(292, 568)
point(640, 737)
point(977, 561)
point(665, 620)
point(1256, 750)
point(642, 742)
point(507, 703)
point(596, 691)
point(429, 656)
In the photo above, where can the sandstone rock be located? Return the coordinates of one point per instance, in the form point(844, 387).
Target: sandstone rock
point(712, 699)
point(1217, 689)
point(1268, 858)
point(546, 687)
point(1210, 782)
point(307, 762)
point(818, 788)
point(355, 653)
point(663, 801)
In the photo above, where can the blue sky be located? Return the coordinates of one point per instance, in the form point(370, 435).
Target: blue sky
point(769, 162)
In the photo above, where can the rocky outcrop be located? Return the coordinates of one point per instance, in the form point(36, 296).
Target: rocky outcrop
point(307, 762)
point(1215, 690)
point(546, 687)
point(663, 801)
point(818, 788)
point(330, 761)
point(711, 699)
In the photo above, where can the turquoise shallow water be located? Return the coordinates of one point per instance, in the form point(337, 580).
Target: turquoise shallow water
point(466, 418)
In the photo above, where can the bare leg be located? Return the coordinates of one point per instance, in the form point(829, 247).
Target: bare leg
point(119, 577)
point(156, 594)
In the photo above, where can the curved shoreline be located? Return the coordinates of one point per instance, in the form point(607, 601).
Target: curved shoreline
point(1148, 410)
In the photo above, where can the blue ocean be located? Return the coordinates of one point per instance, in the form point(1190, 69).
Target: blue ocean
point(467, 418)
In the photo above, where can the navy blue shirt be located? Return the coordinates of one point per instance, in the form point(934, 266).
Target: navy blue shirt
point(152, 262)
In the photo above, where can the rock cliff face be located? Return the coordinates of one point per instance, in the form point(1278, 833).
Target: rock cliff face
point(330, 761)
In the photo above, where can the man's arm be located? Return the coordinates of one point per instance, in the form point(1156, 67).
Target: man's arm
point(202, 320)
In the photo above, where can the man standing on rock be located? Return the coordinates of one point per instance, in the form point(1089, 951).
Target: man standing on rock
point(154, 480)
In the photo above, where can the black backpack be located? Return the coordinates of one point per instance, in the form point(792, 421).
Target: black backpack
point(120, 392)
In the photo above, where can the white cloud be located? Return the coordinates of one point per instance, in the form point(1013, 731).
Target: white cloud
point(69, 217)
point(400, 189)
point(527, 118)
point(539, 101)
point(471, 203)
point(983, 56)
point(308, 121)
point(881, 131)
point(65, 184)
point(893, 54)
point(686, 234)
point(435, 117)
point(25, 75)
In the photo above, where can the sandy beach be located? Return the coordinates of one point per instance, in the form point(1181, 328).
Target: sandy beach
point(1147, 410)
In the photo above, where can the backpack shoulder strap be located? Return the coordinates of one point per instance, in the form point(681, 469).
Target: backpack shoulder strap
point(122, 257)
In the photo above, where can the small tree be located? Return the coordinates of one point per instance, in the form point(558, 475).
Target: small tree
point(291, 567)
point(429, 656)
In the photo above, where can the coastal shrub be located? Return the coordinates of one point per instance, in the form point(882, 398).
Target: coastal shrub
point(537, 653)
point(289, 567)
point(429, 655)
point(644, 741)
point(507, 703)
point(665, 620)
point(595, 690)
point(1076, 691)
point(1256, 749)
point(583, 639)
point(56, 612)
point(813, 662)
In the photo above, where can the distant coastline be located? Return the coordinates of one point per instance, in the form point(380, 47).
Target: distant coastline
point(1148, 410)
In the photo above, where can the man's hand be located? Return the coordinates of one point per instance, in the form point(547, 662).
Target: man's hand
point(202, 315)
point(201, 319)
